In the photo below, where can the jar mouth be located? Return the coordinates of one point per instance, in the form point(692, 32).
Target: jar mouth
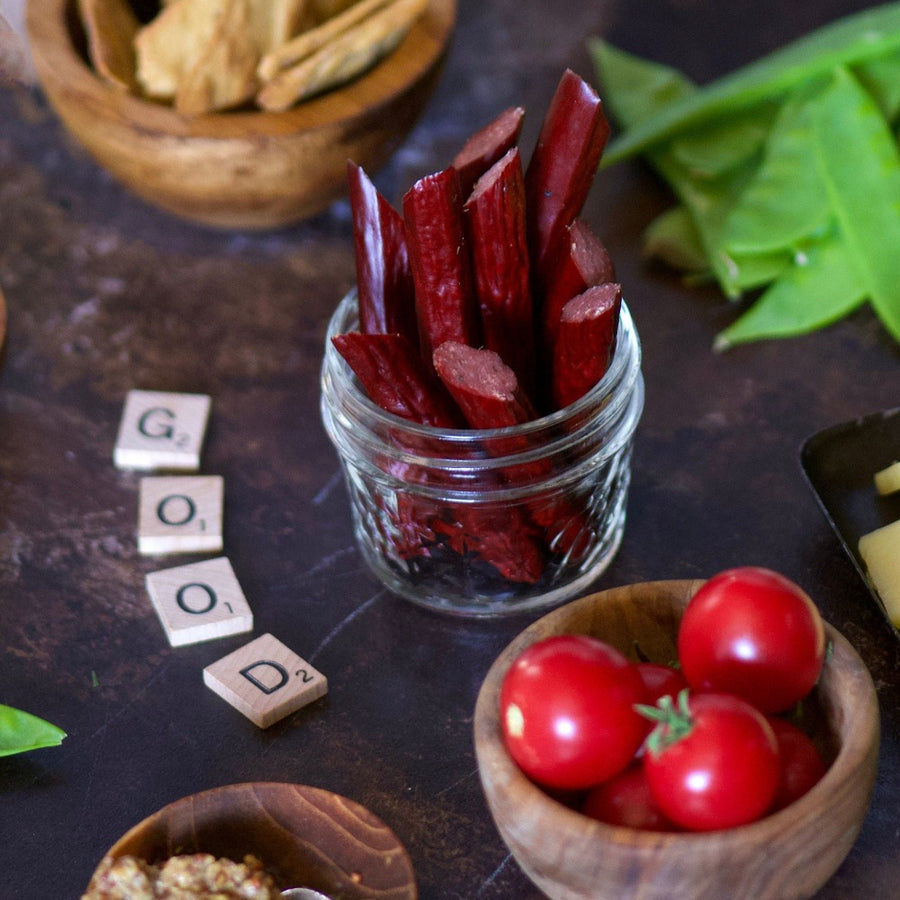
point(600, 404)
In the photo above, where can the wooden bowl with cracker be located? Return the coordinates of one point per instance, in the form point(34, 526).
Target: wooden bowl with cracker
point(243, 166)
point(303, 836)
point(790, 853)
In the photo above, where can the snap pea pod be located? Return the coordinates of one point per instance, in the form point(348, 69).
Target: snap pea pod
point(637, 89)
point(860, 164)
point(785, 202)
point(818, 289)
point(853, 39)
point(21, 731)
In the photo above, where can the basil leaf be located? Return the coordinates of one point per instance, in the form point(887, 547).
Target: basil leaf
point(852, 39)
point(819, 288)
point(20, 731)
point(860, 164)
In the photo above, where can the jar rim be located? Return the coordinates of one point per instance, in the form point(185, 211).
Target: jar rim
point(621, 366)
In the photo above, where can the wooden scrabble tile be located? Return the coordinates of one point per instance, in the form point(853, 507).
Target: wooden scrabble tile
point(265, 680)
point(180, 514)
point(199, 602)
point(161, 431)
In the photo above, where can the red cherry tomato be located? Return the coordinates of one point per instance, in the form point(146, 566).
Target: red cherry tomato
point(567, 711)
point(660, 681)
point(713, 763)
point(802, 765)
point(626, 800)
point(752, 632)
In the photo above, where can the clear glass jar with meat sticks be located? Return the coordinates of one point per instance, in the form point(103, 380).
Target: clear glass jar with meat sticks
point(487, 522)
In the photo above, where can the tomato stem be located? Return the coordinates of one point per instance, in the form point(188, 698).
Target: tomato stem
point(673, 722)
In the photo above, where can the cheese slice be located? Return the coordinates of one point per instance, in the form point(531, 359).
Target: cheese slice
point(887, 481)
point(880, 550)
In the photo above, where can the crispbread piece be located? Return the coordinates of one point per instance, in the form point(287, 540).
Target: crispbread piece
point(287, 54)
point(170, 44)
point(343, 58)
point(224, 74)
point(111, 26)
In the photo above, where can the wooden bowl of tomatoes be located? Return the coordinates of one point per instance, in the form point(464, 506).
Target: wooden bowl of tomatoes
point(724, 790)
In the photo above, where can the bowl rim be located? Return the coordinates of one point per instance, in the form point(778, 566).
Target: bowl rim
point(857, 746)
point(399, 855)
point(58, 60)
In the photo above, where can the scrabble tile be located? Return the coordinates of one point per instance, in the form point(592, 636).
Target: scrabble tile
point(161, 431)
point(265, 680)
point(180, 514)
point(199, 602)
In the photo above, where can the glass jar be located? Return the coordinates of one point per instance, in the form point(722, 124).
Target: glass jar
point(487, 522)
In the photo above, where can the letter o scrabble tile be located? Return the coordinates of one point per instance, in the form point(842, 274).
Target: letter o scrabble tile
point(161, 431)
point(265, 680)
point(180, 514)
point(199, 602)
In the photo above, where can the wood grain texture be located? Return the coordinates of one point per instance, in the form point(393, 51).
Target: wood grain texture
point(239, 169)
point(789, 854)
point(304, 836)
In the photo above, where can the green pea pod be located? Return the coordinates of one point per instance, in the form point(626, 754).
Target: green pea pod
point(818, 289)
point(636, 89)
point(639, 88)
point(860, 165)
point(853, 39)
point(672, 238)
point(881, 78)
point(785, 202)
point(20, 731)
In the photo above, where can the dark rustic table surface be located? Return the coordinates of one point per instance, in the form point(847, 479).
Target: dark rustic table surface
point(105, 294)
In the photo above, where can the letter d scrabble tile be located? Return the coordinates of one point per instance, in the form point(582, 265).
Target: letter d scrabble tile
point(180, 514)
point(265, 680)
point(160, 430)
point(199, 602)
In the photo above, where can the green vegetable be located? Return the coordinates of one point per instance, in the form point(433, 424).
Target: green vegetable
point(861, 168)
point(856, 38)
point(20, 731)
point(787, 173)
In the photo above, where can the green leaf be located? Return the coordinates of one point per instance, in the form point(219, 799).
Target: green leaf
point(852, 39)
point(785, 202)
point(819, 288)
point(20, 731)
point(860, 164)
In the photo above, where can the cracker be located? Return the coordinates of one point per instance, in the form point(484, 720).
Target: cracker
point(344, 57)
point(110, 27)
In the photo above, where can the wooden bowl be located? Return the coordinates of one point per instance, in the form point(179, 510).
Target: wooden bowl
point(304, 836)
point(238, 169)
point(789, 854)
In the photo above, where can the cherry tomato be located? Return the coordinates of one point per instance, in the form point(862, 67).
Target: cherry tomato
point(801, 763)
point(713, 763)
point(626, 800)
point(752, 632)
point(567, 711)
point(660, 681)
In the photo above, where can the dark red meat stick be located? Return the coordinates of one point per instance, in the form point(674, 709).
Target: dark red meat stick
point(485, 389)
point(495, 212)
point(585, 342)
point(393, 377)
point(384, 281)
point(488, 393)
point(583, 262)
point(486, 146)
point(561, 170)
point(446, 309)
